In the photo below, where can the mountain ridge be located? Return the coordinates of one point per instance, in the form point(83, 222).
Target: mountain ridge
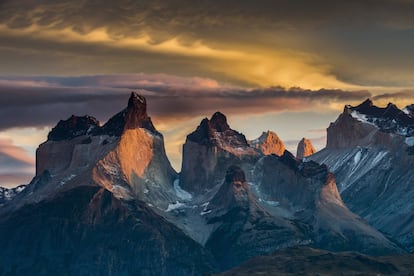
point(230, 202)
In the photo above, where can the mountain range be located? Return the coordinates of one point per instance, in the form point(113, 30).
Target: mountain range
point(105, 199)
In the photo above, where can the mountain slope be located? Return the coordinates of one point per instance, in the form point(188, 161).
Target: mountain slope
point(307, 192)
point(244, 229)
point(369, 149)
point(88, 231)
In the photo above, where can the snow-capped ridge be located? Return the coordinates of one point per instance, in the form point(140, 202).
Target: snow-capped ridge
point(388, 119)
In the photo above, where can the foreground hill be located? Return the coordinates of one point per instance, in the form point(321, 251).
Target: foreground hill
point(310, 261)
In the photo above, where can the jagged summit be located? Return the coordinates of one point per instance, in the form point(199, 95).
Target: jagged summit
point(134, 116)
point(219, 122)
point(305, 149)
point(409, 109)
point(206, 149)
point(138, 102)
point(268, 143)
point(73, 127)
point(364, 107)
point(387, 119)
point(217, 132)
point(369, 125)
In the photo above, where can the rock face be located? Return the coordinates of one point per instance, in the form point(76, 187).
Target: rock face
point(370, 151)
point(367, 125)
point(73, 127)
point(133, 117)
point(242, 228)
point(306, 191)
point(126, 156)
point(305, 149)
point(209, 150)
point(269, 143)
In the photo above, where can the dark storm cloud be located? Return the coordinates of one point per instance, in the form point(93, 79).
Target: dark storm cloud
point(341, 40)
point(132, 16)
point(42, 101)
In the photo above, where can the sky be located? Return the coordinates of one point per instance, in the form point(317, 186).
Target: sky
point(281, 65)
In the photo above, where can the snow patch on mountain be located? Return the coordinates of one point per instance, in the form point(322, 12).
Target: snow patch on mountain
point(8, 194)
point(270, 202)
point(205, 212)
point(67, 179)
point(176, 205)
point(360, 117)
point(409, 141)
point(180, 192)
point(357, 157)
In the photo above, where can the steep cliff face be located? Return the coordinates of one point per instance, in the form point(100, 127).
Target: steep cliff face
point(126, 156)
point(369, 149)
point(268, 143)
point(209, 150)
point(367, 125)
point(307, 192)
point(305, 149)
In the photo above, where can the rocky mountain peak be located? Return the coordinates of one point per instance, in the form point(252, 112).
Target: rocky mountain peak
point(207, 148)
point(217, 132)
point(134, 116)
point(73, 127)
point(234, 192)
point(236, 176)
point(388, 119)
point(305, 148)
point(364, 106)
point(219, 122)
point(138, 102)
point(269, 143)
point(367, 124)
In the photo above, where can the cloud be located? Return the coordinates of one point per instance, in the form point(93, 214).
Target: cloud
point(16, 165)
point(395, 95)
point(13, 180)
point(262, 44)
point(168, 97)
